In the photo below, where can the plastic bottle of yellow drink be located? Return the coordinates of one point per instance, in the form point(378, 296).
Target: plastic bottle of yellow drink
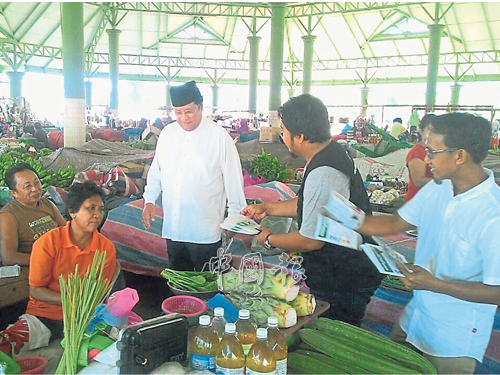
point(203, 346)
point(260, 359)
point(245, 330)
point(219, 322)
point(230, 358)
point(277, 343)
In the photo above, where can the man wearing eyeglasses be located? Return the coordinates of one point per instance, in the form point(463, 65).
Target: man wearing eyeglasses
point(196, 169)
point(455, 278)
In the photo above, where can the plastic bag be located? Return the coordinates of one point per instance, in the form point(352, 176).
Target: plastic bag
point(277, 225)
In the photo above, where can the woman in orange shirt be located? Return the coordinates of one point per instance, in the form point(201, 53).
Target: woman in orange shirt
point(57, 253)
point(419, 172)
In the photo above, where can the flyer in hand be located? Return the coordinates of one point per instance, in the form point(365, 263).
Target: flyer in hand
point(329, 230)
point(240, 224)
point(384, 259)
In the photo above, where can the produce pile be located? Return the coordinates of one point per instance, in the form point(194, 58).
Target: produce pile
point(143, 145)
point(268, 167)
point(381, 197)
point(63, 177)
point(191, 281)
point(334, 347)
point(270, 298)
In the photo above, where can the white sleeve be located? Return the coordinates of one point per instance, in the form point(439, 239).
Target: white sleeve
point(319, 183)
point(490, 251)
point(152, 190)
point(410, 211)
point(233, 176)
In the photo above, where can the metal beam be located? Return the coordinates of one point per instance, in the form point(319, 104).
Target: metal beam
point(26, 49)
point(238, 81)
point(202, 9)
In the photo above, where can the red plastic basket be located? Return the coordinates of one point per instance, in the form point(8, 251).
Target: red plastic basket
point(32, 365)
point(186, 305)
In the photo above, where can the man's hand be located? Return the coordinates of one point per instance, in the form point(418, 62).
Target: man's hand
point(261, 237)
point(255, 211)
point(417, 277)
point(148, 214)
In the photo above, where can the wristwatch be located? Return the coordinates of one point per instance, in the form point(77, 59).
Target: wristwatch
point(267, 244)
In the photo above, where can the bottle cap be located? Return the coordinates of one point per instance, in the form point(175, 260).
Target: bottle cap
point(230, 328)
point(244, 314)
point(272, 321)
point(204, 320)
point(219, 311)
point(261, 333)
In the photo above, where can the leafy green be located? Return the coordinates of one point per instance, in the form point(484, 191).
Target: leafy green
point(270, 168)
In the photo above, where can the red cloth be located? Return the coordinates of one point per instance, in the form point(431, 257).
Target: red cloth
point(416, 152)
point(14, 337)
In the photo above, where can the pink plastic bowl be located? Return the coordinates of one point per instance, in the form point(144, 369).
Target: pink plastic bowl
point(186, 305)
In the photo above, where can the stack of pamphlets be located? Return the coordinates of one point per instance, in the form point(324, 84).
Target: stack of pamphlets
point(384, 259)
point(240, 224)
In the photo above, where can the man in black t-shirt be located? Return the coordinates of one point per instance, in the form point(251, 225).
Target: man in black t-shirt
point(343, 277)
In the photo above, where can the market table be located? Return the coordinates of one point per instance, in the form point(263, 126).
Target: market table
point(14, 289)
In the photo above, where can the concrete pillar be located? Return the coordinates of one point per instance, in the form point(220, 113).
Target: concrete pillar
point(88, 94)
point(364, 99)
point(455, 94)
point(433, 63)
point(215, 98)
point(308, 62)
point(277, 45)
point(253, 78)
point(16, 86)
point(114, 67)
point(73, 70)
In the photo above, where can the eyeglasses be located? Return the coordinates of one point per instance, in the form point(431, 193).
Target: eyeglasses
point(432, 153)
point(187, 112)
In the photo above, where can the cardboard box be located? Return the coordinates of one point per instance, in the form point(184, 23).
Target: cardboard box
point(267, 134)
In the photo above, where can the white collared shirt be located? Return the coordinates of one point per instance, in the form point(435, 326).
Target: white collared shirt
point(195, 172)
point(458, 240)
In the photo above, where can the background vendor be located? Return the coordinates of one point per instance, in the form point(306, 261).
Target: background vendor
point(27, 217)
point(196, 170)
point(57, 253)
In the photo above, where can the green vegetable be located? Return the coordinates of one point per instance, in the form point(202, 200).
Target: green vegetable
point(343, 367)
point(363, 340)
point(191, 281)
point(303, 364)
point(80, 295)
point(271, 286)
point(373, 362)
point(268, 167)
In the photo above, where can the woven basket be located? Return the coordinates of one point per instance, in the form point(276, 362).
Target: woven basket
point(32, 365)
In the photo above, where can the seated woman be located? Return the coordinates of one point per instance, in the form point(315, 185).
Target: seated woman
point(27, 217)
point(57, 253)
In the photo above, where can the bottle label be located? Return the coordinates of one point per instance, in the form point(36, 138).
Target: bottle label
point(246, 348)
point(252, 372)
point(230, 371)
point(202, 362)
point(281, 367)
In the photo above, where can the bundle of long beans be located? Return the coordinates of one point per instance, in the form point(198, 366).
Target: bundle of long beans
point(80, 295)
